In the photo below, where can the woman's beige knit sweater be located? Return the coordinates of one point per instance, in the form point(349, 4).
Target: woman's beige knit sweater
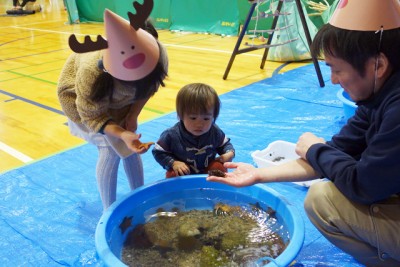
point(75, 85)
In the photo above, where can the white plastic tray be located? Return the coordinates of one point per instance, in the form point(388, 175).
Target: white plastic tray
point(276, 153)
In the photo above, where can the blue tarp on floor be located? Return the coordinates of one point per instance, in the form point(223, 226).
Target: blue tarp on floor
point(49, 209)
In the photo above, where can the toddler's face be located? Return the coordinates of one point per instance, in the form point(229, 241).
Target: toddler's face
point(198, 124)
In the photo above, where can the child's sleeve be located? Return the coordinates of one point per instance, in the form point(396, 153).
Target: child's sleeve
point(162, 151)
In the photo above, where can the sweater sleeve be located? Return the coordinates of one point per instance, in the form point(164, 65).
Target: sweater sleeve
point(365, 170)
point(162, 151)
point(225, 144)
point(226, 147)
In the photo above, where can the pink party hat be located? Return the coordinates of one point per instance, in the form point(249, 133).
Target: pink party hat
point(131, 54)
point(366, 15)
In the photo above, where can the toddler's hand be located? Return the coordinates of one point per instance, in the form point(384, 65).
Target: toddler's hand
point(180, 168)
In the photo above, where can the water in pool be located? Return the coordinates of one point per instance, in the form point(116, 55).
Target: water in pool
point(227, 235)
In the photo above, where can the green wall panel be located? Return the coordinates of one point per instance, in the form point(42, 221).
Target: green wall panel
point(220, 17)
point(208, 16)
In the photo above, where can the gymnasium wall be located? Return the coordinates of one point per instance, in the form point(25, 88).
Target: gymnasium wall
point(209, 16)
point(217, 17)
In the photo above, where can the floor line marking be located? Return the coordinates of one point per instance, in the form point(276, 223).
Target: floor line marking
point(207, 49)
point(164, 43)
point(37, 104)
point(33, 77)
point(48, 108)
point(15, 153)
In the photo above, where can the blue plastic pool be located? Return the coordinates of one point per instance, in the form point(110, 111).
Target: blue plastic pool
point(349, 106)
point(191, 192)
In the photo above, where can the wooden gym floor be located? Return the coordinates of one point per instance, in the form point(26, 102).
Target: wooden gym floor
point(33, 49)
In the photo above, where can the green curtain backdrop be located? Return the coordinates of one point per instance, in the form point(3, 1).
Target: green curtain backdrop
point(217, 17)
point(161, 14)
point(224, 17)
point(73, 15)
point(220, 17)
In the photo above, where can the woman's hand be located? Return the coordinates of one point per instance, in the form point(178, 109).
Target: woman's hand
point(131, 140)
point(243, 175)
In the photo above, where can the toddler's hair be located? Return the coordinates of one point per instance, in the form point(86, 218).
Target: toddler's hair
point(197, 98)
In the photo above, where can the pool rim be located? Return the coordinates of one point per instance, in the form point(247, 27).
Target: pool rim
point(349, 106)
point(105, 254)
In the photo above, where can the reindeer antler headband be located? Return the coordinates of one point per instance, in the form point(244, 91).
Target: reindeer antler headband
point(130, 53)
